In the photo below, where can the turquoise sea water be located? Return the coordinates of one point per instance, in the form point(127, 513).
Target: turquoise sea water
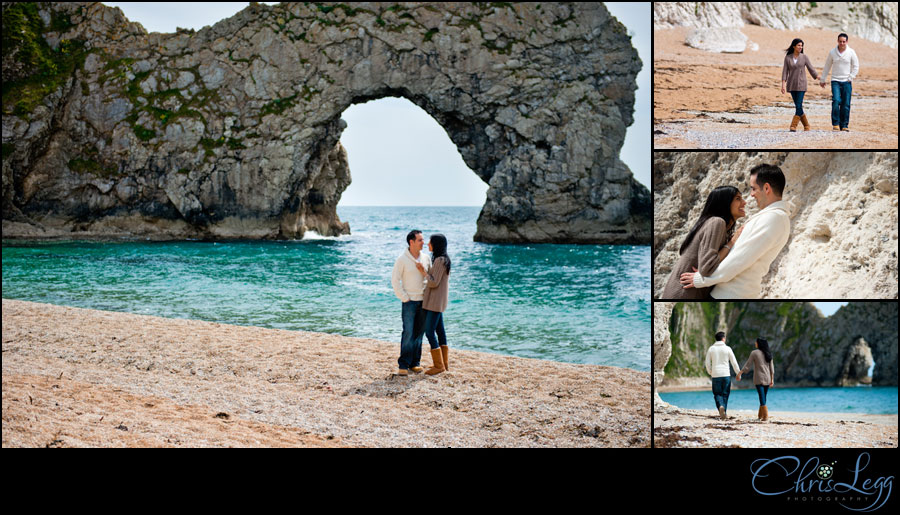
point(573, 303)
point(872, 400)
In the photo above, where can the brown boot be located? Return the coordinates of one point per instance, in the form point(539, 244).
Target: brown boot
point(794, 123)
point(805, 122)
point(759, 414)
point(445, 355)
point(438, 360)
point(765, 413)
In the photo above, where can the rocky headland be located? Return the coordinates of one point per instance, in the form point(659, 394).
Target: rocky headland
point(233, 131)
point(843, 242)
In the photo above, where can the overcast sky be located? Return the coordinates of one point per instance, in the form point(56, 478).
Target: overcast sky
point(398, 154)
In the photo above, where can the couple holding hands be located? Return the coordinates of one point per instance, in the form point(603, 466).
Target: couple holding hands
point(718, 359)
point(843, 64)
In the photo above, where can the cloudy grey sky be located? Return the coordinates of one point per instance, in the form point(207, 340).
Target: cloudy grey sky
point(392, 144)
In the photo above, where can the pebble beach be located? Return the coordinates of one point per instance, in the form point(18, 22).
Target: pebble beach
point(680, 428)
point(75, 377)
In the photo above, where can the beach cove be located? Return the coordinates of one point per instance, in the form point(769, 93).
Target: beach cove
point(76, 377)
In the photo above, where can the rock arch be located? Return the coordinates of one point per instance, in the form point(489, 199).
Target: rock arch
point(233, 130)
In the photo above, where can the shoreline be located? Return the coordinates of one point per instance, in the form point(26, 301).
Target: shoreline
point(75, 377)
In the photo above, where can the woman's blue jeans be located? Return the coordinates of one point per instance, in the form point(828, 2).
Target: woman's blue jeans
point(762, 390)
point(798, 102)
point(434, 323)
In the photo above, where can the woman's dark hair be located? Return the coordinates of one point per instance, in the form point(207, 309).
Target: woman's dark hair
point(790, 49)
point(764, 347)
point(439, 248)
point(718, 203)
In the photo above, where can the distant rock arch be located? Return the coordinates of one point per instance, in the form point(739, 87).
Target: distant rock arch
point(233, 131)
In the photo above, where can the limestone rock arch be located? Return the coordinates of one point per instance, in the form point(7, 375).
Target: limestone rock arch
point(233, 131)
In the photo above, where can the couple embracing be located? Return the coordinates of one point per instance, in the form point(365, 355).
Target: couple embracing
point(422, 284)
point(718, 359)
point(718, 260)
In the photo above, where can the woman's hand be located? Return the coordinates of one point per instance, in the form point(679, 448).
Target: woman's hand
point(737, 233)
point(687, 279)
point(782, 88)
point(421, 268)
point(739, 376)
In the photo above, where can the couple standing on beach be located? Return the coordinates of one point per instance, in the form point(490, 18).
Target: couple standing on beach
point(843, 64)
point(718, 359)
point(422, 284)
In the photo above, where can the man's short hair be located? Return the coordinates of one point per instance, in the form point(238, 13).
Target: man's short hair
point(771, 175)
point(720, 336)
point(412, 235)
point(842, 35)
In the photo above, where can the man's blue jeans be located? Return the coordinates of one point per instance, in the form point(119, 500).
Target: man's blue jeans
point(840, 103)
point(721, 387)
point(411, 339)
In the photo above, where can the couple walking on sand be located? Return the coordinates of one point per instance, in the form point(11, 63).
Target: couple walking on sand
point(843, 64)
point(422, 284)
point(718, 359)
point(720, 262)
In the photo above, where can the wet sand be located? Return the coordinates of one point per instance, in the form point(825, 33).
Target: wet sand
point(85, 378)
point(715, 100)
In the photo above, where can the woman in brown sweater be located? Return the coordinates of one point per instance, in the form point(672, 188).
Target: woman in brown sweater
point(437, 288)
point(793, 79)
point(708, 242)
point(763, 374)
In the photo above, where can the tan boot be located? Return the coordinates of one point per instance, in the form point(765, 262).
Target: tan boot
point(805, 122)
point(445, 355)
point(765, 413)
point(835, 128)
point(794, 123)
point(438, 360)
point(759, 414)
point(416, 370)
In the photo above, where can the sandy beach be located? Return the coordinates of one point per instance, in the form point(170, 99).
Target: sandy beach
point(675, 427)
point(85, 378)
point(717, 100)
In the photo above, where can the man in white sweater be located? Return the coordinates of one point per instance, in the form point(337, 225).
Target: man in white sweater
point(843, 65)
point(409, 287)
point(739, 275)
point(718, 359)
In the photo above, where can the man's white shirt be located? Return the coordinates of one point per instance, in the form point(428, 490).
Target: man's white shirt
point(739, 275)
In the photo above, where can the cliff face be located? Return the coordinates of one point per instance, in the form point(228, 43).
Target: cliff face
point(233, 130)
point(874, 21)
point(843, 241)
point(809, 349)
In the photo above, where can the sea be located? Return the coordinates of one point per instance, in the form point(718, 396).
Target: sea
point(587, 304)
point(871, 400)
